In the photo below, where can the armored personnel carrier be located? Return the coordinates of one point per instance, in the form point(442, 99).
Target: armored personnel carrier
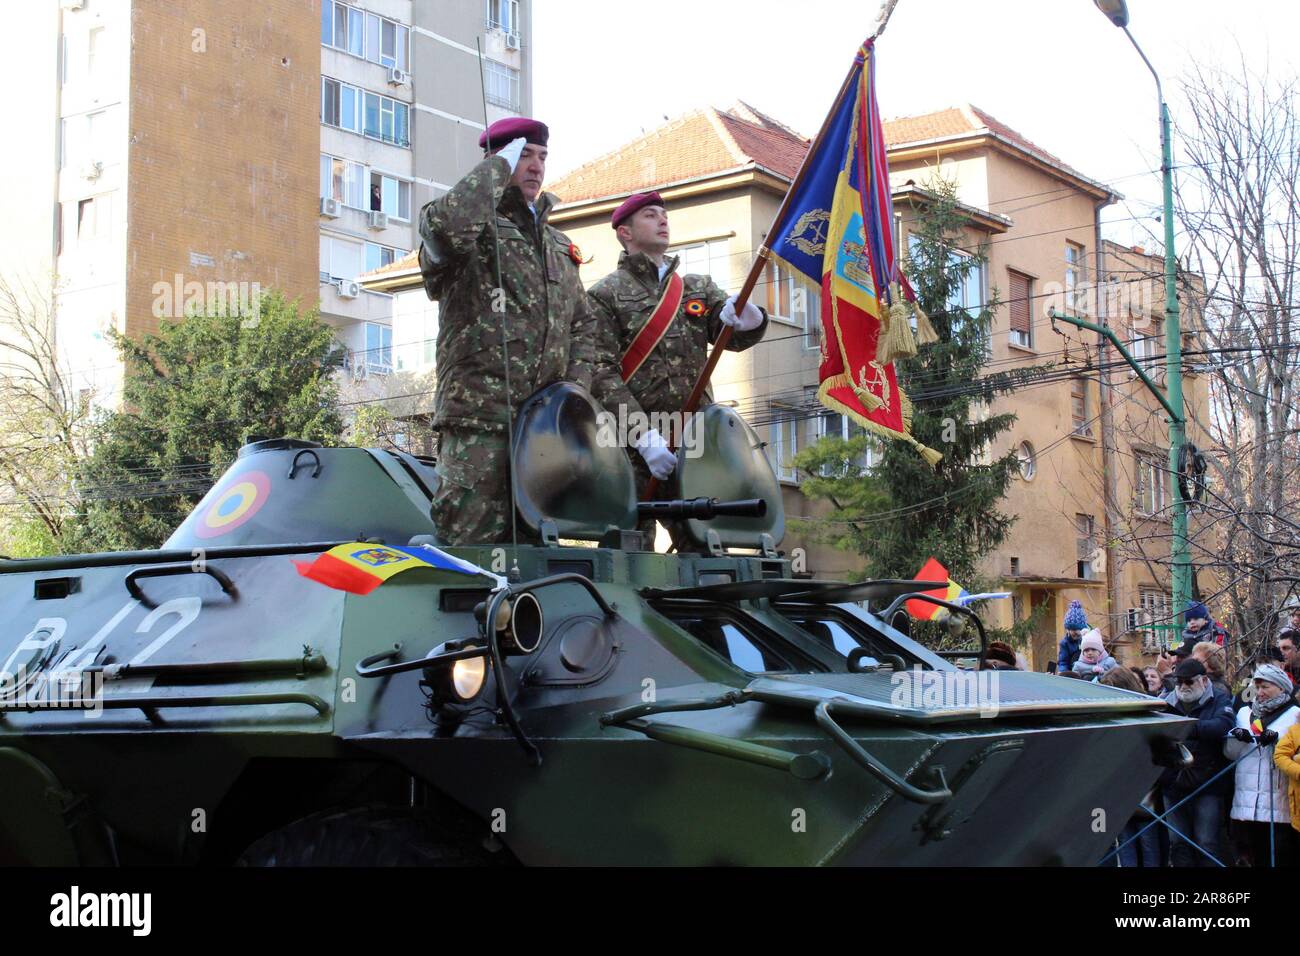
point(576, 698)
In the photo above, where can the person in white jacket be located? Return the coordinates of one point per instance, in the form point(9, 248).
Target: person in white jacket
point(1259, 801)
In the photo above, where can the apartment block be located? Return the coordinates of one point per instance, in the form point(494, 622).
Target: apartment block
point(192, 151)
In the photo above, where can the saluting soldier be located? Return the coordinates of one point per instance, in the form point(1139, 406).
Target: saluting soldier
point(655, 328)
point(498, 208)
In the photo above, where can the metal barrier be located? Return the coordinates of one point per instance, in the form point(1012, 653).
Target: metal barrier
point(1160, 818)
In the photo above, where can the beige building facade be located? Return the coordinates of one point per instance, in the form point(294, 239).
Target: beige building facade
point(723, 174)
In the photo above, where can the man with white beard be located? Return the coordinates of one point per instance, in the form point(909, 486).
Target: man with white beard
point(1201, 817)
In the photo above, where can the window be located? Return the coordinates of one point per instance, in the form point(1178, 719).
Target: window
point(501, 84)
point(378, 256)
point(390, 195)
point(1018, 304)
point(968, 292)
point(342, 180)
point(503, 15)
point(1028, 461)
point(363, 34)
point(1080, 408)
point(705, 259)
point(340, 258)
point(1086, 545)
point(789, 297)
point(809, 300)
point(785, 440)
point(1152, 485)
point(94, 218)
point(379, 348)
point(829, 424)
point(1075, 274)
point(362, 112)
point(1146, 348)
point(979, 412)
point(1155, 617)
point(94, 51)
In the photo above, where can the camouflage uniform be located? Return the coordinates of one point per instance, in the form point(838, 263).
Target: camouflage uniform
point(623, 302)
point(550, 329)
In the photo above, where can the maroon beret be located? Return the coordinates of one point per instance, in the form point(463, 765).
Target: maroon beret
point(633, 203)
point(511, 128)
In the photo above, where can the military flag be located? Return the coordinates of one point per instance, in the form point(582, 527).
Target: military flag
point(836, 228)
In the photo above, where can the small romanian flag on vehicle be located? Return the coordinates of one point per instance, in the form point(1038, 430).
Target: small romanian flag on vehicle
point(359, 568)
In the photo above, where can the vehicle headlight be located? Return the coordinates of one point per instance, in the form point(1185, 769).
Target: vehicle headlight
point(468, 677)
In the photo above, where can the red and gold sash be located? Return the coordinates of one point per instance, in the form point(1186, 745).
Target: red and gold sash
point(660, 319)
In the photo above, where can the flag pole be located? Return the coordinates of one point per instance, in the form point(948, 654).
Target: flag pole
point(756, 270)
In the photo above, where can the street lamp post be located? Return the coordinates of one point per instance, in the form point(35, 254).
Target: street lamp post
point(1117, 12)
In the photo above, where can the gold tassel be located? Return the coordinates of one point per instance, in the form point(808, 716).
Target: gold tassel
point(931, 456)
point(869, 401)
point(925, 333)
point(896, 339)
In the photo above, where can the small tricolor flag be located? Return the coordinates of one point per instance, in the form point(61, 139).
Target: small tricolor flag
point(359, 568)
point(1257, 726)
point(954, 593)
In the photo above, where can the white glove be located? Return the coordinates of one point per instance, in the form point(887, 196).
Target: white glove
point(512, 150)
point(658, 458)
point(751, 316)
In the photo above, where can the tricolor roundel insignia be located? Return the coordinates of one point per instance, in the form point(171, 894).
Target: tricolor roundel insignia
point(234, 505)
point(695, 307)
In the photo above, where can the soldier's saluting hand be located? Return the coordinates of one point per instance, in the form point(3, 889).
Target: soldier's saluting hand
point(537, 299)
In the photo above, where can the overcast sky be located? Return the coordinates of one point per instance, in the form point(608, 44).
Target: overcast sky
point(1054, 70)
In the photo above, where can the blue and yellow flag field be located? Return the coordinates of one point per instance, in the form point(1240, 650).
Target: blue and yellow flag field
point(837, 229)
point(359, 568)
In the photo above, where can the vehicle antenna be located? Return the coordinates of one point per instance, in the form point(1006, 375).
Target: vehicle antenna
point(499, 296)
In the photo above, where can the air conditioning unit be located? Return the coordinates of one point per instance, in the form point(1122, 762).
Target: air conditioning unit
point(73, 4)
point(378, 220)
point(397, 76)
point(349, 288)
point(329, 208)
point(92, 171)
point(512, 41)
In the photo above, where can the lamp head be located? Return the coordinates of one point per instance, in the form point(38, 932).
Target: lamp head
point(1116, 11)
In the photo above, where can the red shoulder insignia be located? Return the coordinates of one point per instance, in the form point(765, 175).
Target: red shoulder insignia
point(695, 307)
point(576, 255)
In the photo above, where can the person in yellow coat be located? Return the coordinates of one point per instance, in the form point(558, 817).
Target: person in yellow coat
point(1284, 755)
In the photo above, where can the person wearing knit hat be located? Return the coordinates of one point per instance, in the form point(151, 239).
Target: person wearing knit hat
point(654, 329)
point(1199, 626)
point(1076, 622)
point(1093, 660)
point(1261, 807)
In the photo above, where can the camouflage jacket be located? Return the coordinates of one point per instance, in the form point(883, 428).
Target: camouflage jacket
point(623, 301)
point(549, 323)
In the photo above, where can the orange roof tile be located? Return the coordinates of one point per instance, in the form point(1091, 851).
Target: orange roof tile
point(713, 141)
point(701, 142)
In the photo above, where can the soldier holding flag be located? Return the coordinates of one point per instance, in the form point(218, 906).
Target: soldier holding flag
point(654, 328)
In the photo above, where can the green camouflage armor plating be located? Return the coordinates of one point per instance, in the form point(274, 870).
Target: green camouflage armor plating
point(549, 333)
point(623, 302)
